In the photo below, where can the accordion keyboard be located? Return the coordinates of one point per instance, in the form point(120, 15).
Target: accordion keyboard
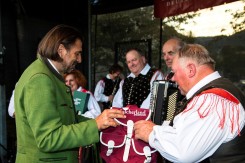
point(172, 101)
point(164, 98)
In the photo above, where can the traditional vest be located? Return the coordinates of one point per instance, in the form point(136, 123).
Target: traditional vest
point(234, 150)
point(110, 88)
point(135, 90)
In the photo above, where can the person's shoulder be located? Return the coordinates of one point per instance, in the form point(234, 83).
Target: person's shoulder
point(157, 74)
point(102, 80)
point(86, 91)
point(156, 70)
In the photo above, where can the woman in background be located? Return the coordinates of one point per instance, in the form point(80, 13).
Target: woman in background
point(77, 82)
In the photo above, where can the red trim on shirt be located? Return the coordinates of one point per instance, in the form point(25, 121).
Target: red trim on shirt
point(222, 93)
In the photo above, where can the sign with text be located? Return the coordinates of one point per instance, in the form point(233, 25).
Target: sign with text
point(165, 8)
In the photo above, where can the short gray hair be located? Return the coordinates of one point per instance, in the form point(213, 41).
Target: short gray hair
point(198, 53)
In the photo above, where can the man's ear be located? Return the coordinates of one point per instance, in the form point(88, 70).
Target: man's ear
point(191, 70)
point(61, 50)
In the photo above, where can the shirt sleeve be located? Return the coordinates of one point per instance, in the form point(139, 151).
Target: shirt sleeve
point(93, 107)
point(11, 106)
point(158, 75)
point(197, 133)
point(99, 92)
point(118, 98)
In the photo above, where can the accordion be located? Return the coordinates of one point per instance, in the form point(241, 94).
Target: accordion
point(164, 98)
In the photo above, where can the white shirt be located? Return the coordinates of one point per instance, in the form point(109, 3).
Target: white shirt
point(11, 109)
point(93, 106)
point(118, 99)
point(192, 139)
point(99, 91)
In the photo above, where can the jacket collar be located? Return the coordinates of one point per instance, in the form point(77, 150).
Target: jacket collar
point(50, 67)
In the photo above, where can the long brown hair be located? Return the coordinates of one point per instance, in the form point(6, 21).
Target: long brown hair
point(60, 34)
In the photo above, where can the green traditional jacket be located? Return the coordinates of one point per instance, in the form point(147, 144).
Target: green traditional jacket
point(48, 129)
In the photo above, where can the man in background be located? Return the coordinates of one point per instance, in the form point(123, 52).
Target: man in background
point(107, 87)
point(136, 88)
point(169, 50)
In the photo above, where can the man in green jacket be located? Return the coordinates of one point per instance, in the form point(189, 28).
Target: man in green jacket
point(48, 129)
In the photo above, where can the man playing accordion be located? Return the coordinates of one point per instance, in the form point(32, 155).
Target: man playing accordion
point(209, 124)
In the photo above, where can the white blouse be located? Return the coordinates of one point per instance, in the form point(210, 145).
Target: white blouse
point(93, 106)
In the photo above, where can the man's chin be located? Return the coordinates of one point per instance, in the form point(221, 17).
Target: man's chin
point(181, 91)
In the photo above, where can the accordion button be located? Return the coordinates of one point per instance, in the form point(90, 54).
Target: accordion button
point(68, 91)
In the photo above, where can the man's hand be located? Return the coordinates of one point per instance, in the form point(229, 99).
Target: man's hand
point(142, 129)
point(106, 118)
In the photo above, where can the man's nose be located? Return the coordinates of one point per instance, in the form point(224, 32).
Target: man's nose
point(165, 57)
point(79, 58)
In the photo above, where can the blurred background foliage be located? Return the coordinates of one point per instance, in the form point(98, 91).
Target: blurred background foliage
point(109, 30)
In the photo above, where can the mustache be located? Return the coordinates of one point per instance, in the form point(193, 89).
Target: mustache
point(72, 67)
point(75, 63)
